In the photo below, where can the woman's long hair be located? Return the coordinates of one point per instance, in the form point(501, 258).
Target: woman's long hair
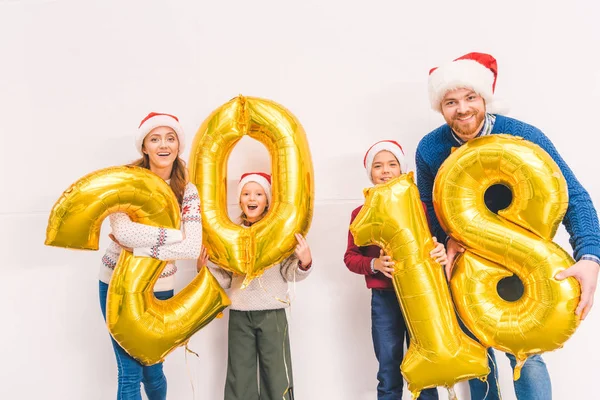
point(178, 175)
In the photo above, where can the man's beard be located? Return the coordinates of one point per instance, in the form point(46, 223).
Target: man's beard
point(469, 130)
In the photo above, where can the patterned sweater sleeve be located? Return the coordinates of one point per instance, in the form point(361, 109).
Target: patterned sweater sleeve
point(111, 256)
point(188, 248)
point(133, 234)
point(290, 270)
point(425, 180)
point(581, 219)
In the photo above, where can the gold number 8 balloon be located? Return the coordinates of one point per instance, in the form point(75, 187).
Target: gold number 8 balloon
point(249, 251)
point(516, 241)
point(147, 328)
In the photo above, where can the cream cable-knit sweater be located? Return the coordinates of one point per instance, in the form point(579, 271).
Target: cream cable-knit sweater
point(267, 292)
point(161, 243)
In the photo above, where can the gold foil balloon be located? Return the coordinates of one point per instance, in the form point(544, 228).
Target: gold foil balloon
point(440, 353)
point(249, 251)
point(516, 241)
point(147, 328)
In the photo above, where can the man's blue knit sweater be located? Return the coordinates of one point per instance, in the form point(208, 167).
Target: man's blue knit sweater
point(580, 220)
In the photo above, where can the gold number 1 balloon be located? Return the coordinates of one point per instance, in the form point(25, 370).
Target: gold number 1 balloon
point(249, 251)
point(147, 328)
point(440, 353)
point(516, 241)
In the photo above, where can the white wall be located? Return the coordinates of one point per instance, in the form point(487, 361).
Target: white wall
point(77, 76)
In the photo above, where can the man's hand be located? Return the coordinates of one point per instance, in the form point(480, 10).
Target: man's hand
point(439, 253)
point(586, 273)
point(452, 250)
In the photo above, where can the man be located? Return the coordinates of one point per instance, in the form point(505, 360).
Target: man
point(462, 91)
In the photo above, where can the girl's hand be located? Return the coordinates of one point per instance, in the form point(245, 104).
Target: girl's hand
point(202, 260)
point(439, 253)
point(302, 251)
point(114, 239)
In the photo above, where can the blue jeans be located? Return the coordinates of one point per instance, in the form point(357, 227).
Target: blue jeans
point(534, 383)
point(131, 372)
point(389, 331)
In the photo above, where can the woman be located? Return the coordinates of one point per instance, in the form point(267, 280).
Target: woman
point(160, 140)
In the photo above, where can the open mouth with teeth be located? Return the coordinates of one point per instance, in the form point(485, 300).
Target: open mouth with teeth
point(252, 207)
point(164, 154)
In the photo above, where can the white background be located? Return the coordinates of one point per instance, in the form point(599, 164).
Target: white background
point(77, 76)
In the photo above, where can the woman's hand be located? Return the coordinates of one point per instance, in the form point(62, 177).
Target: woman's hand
point(114, 239)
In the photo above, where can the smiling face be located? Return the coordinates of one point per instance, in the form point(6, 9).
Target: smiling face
point(464, 111)
point(162, 147)
point(253, 201)
point(385, 167)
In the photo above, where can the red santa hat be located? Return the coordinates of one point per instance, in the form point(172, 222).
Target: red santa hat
point(154, 120)
point(477, 71)
point(261, 178)
point(388, 145)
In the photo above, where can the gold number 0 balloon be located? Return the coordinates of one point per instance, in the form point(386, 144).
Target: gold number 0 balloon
point(249, 251)
point(517, 241)
point(440, 353)
point(147, 328)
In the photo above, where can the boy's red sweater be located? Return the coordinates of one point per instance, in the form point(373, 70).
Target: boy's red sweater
point(358, 259)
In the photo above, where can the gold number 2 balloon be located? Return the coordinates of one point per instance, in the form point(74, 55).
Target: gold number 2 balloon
point(440, 353)
point(147, 328)
point(249, 251)
point(516, 241)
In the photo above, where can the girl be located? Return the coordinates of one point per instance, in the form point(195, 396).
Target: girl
point(258, 329)
point(383, 162)
point(160, 141)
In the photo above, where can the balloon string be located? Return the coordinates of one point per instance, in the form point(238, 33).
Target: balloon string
point(287, 293)
point(187, 367)
point(487, 382)
point(287, 375)
point(272, 296)
point(451, 393)
point(289, 303)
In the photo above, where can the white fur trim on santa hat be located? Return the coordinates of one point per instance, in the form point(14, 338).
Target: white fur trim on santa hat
point(261, 180)
point(497, 106)
point(460, 74)
point(156, 121)
point(388, 145)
